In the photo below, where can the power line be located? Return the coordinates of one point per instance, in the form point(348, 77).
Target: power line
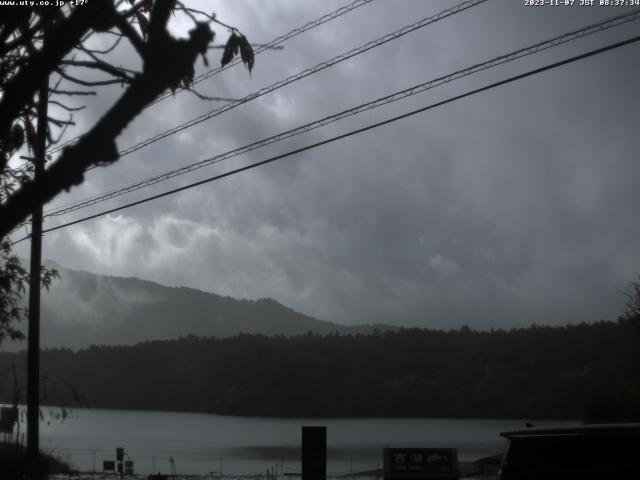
point(293, 78)
point(496, 61)
point(351, 133)
point(267, 46)
point(277, 41)
point(273, 44)
point(554, 41)
point(305, 73)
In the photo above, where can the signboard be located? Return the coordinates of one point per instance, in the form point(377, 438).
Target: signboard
point(108, 466)
point(420, 463)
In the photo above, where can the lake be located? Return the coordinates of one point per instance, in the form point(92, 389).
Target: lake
point(201, 443)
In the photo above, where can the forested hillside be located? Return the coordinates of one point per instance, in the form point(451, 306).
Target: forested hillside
point(562, 372)
point(82, 308)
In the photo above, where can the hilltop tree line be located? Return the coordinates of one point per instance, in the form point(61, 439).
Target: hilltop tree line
point(582, 371)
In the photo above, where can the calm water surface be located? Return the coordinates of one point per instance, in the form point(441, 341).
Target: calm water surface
point(201, 443)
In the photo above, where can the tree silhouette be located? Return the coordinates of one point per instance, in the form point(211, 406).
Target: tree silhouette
point(44, 41)
point(13, 282)
point(58, 43)
point(632, 312)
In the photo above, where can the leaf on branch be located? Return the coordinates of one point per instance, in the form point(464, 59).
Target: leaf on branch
point(144, 24)
point(246, 52)
point(17, 137)
point(187, 79)
point(47, 276)
point(230, 49)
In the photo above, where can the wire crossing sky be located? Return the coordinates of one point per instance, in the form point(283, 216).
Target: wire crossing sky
point(307, 72)
point(496, 61)
point(512, 207)
point(273, 43)
point(424, 22)
point(347, 134)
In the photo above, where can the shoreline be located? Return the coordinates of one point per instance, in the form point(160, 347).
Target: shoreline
point(466, 470)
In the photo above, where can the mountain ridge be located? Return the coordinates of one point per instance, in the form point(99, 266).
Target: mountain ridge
point(83, 308)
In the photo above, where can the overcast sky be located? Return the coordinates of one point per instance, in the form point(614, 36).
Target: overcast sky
point(514, 206)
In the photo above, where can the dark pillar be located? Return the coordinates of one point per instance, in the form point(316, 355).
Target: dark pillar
point(314, 453)
point(33, 352)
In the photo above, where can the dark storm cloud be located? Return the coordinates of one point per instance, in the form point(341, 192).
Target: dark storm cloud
point(511, 207)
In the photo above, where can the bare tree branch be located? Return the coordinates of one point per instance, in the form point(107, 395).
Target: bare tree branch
point(167, 63)
point(57, 43)
point(66, 107)
point(73, 92)
point(133, 36)
point(100, 65)
point(86, 83)
point(20, 40)
point(109, 49)
point(205, 97)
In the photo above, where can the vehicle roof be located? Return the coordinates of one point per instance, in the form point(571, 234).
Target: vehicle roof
point(579, 430)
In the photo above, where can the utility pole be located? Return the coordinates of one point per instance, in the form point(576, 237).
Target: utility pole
point(33, 352)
